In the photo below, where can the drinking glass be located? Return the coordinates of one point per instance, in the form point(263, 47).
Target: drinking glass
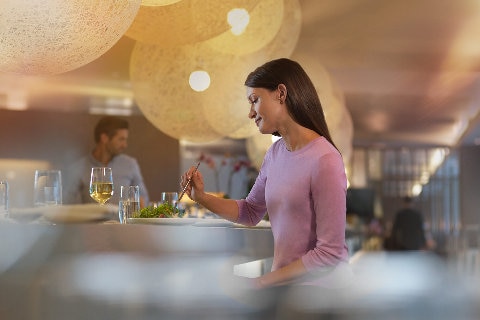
point(170, 197)
point(129, 203)
point(3, 199)
point(47, 188)
point(101, 184)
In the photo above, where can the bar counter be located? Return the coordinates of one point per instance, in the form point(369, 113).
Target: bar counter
point(136, 271)
point(124, 271)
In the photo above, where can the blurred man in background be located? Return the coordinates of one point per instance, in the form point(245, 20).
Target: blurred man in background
point(111, 135)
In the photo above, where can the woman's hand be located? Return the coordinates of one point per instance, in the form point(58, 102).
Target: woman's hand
point(196, 186)
point(226, 208)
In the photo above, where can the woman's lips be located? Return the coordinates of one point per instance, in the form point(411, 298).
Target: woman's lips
point(257, 121)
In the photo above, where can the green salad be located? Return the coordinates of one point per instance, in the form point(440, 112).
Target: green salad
point(164, 210)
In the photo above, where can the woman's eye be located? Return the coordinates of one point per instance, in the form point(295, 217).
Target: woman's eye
point(252, 99)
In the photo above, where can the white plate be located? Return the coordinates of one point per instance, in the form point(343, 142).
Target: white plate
point(170, 221)
point(25, 213)
point(79, 213)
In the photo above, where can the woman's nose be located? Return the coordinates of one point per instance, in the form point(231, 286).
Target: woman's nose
point(252, 113)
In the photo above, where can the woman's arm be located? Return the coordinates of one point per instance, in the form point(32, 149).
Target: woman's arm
point(282, 276)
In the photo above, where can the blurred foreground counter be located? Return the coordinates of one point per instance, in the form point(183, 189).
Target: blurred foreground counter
point(58, 241)
point(113, 271)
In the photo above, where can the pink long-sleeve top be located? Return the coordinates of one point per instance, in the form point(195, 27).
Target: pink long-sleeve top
point(304, 193)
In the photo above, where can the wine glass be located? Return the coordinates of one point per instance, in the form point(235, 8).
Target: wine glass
point(101, 184)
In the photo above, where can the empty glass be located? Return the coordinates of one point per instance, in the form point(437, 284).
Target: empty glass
point(170, 197)
point(47, 188)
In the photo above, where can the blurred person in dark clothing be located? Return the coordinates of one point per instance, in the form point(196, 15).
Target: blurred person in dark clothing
point(408, 229)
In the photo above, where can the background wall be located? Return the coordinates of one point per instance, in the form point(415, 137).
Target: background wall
point(225, 166)
point(40, 139)
point(470, 185)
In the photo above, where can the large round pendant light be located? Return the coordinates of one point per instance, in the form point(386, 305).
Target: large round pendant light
point(160, 81)
point(264, 22)
point(226, 106)
point(247, 130)
point(56, 36)
point(337, 116)
point(158, 2)
point(183, 22)
point(160, 78)
point(257, 145)
point(282, 45)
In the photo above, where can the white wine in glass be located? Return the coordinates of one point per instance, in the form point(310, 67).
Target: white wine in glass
point(101, 184)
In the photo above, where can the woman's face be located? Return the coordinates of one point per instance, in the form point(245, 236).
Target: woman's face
point(265, 109)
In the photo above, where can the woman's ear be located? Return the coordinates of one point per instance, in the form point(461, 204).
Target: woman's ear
point(282, 93)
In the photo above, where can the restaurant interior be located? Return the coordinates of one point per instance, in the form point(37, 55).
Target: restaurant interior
point(398, 81)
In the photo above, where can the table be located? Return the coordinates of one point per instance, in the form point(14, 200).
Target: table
point(114, 271)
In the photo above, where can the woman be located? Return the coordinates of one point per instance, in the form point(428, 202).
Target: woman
point(301, 184)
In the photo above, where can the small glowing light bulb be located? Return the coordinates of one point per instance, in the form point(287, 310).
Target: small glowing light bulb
point(199, 80)
point(238, 19)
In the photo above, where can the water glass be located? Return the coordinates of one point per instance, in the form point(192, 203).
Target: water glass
point(170, 197)
point(129, 203)
point(47, 188)
point(3, 199)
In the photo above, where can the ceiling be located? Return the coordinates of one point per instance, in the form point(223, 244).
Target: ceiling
point(408, 69)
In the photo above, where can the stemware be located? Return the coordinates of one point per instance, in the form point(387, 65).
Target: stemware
point(101, 184)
